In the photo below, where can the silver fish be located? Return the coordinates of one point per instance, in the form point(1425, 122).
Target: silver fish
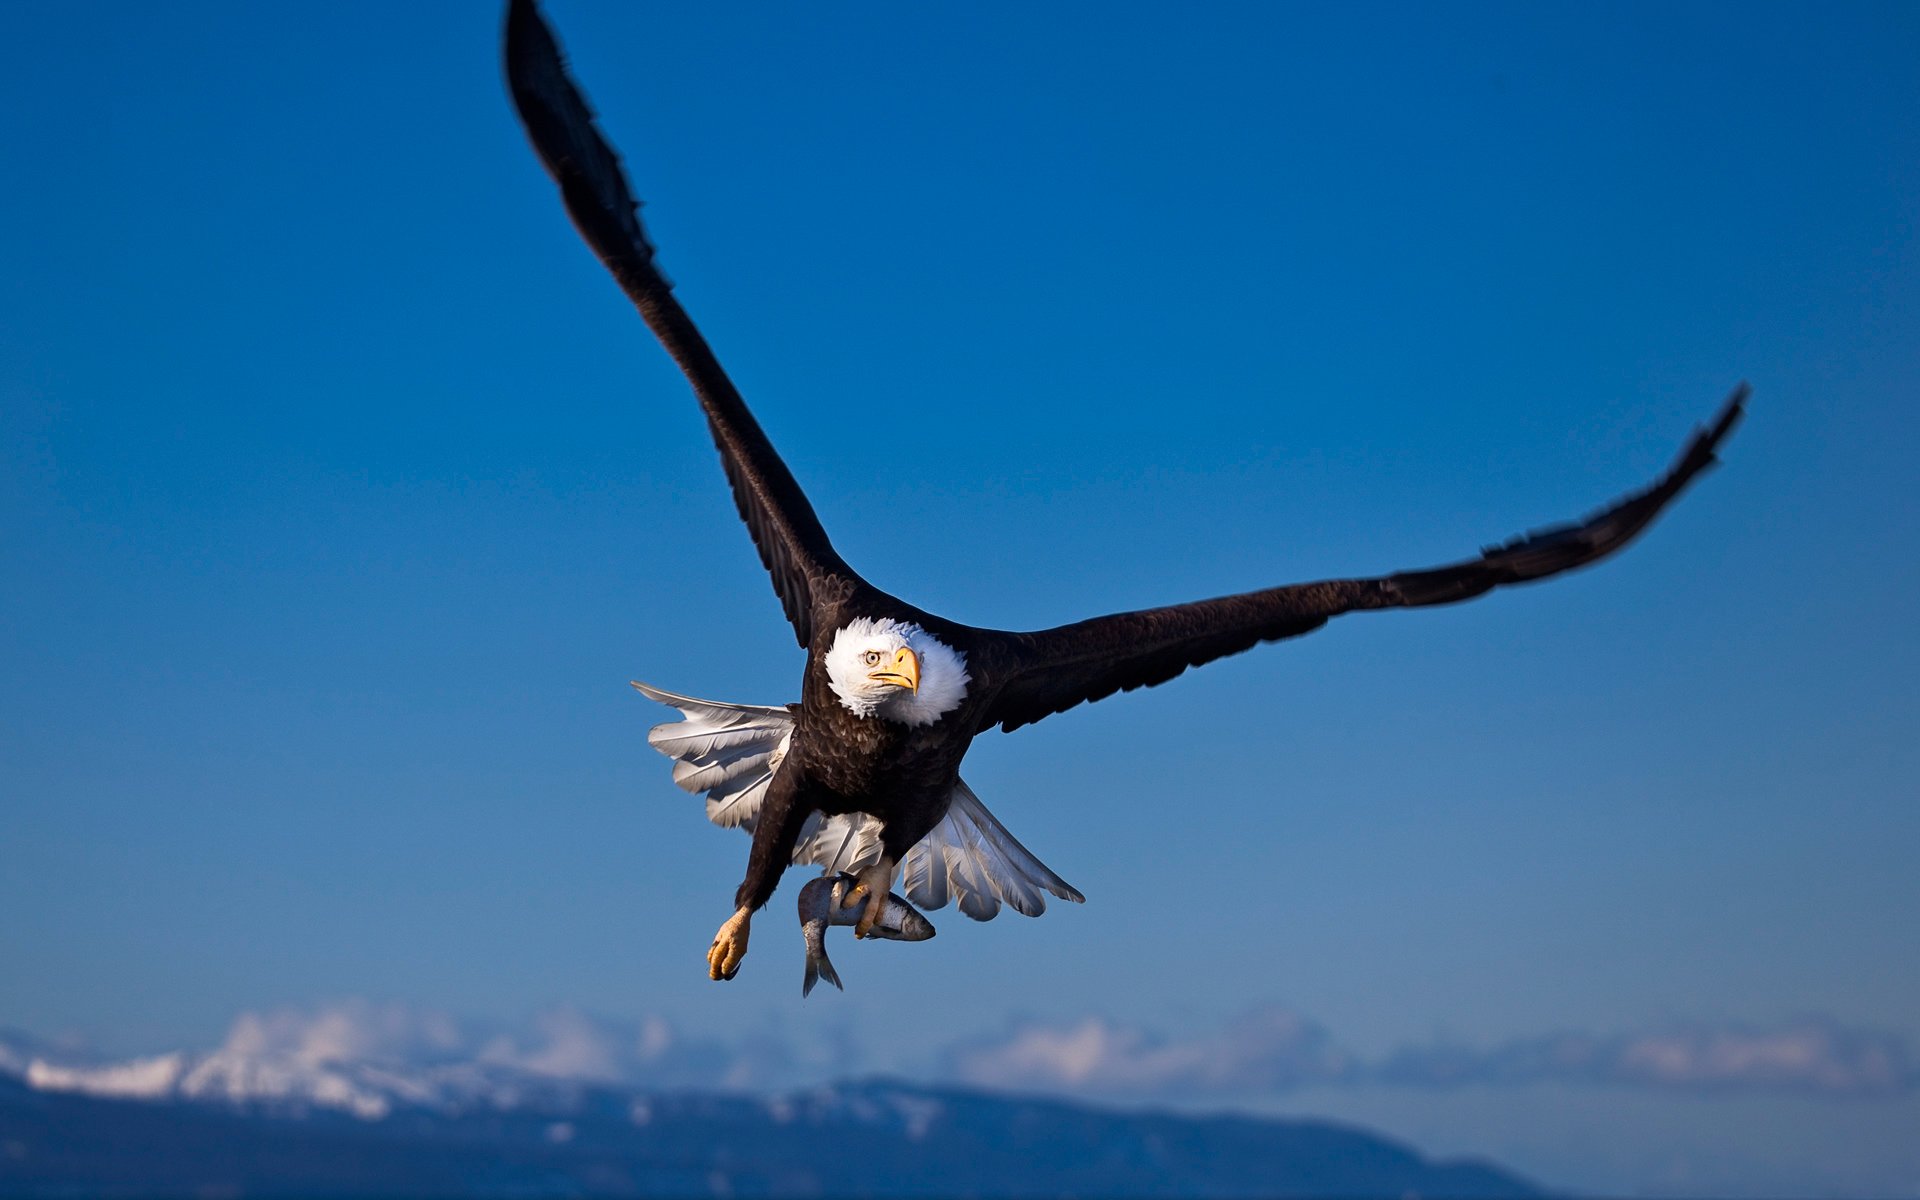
point(823, 903)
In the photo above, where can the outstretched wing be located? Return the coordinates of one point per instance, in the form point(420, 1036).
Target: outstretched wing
point(791, 541)
point(1053, 670)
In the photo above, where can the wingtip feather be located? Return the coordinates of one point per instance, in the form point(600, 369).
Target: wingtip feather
point(1731, 413)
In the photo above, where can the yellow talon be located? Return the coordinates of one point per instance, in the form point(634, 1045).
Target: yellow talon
point(729, 946)
point(875, 882)
point(876, 904)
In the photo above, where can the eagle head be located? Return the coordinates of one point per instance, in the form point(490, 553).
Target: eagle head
point(896, 671)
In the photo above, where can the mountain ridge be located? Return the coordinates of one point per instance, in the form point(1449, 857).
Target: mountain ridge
point(509, 1134)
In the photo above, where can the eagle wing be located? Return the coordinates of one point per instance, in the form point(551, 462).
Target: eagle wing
point(1053, 670)
point(792, 544)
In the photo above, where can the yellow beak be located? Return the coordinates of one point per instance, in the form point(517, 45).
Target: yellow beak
point(904, 671)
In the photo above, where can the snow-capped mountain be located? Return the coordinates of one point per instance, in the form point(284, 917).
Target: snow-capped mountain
point(366, 1090)
point(861, 1139)
point(362, 1101)
point(19, 1051)
point(368, 1062)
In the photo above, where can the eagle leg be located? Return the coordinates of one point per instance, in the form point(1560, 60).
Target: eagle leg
point(875, 882)
point(729, 946)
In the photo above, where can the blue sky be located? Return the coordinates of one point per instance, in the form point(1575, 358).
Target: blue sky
point(342, 493)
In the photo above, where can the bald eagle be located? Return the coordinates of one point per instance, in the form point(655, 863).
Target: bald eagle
point(863, 774)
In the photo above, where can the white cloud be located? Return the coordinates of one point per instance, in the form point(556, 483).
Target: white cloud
point(567, 1044)
point(344, 1031)
point(563, 1044)
point(1807, 1055)
point(369, 1058)
point(1810, 1056)
point(1270, 1049)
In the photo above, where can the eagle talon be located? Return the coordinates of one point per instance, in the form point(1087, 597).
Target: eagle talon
point(729, 946)
point(876, 904)
point(875, 882)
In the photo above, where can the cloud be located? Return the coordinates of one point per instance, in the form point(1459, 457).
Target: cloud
point(1269, 1049)
point(1273, 1050)
point(563, 1045)
point(567, 1044)
point(367, 1057)
point(345, 1031)
point(1808, 1055)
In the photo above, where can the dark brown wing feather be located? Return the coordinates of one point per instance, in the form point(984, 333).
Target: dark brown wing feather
point(792, 543)
point(1055, 669)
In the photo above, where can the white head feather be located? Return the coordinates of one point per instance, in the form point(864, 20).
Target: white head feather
point(943, 672)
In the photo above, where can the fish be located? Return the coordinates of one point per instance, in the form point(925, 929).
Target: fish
point(823, 903)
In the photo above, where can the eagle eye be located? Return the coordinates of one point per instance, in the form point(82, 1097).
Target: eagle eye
point(873, 658)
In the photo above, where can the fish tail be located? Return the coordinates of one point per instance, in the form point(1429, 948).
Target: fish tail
point(818, 968)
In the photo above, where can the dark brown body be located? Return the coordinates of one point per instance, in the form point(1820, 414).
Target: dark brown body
point(841, 762)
